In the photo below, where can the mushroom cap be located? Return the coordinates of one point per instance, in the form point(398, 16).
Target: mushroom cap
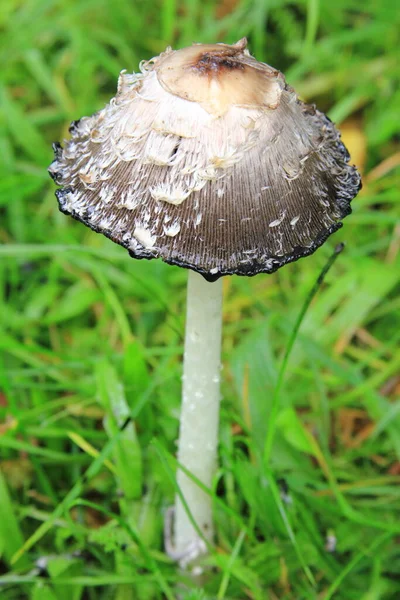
point(208, 160)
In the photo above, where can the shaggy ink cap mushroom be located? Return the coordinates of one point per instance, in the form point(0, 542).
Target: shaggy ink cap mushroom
point(208, 160)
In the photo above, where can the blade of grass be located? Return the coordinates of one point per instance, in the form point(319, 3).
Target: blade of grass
point(72, 495)
point(276, 395)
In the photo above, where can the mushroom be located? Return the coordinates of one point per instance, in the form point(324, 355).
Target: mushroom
point(208, 160)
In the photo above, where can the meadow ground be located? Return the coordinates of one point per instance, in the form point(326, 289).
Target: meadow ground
point(88, 336)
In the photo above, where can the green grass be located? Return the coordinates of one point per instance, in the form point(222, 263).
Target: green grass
point(89, 337)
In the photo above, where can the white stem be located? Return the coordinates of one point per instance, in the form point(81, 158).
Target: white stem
point(198, 435)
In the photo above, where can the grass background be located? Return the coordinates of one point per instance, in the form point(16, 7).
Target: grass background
point(88, 336)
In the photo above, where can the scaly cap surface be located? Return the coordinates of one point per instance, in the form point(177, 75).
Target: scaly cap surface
point(208, 160)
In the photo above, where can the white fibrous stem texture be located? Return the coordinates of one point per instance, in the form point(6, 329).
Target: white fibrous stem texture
point(198, 436)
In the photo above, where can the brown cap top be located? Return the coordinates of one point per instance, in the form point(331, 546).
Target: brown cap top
point(217, 76)
point(208, 160)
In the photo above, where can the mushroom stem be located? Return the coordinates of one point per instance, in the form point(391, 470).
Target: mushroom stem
point(198, 435)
